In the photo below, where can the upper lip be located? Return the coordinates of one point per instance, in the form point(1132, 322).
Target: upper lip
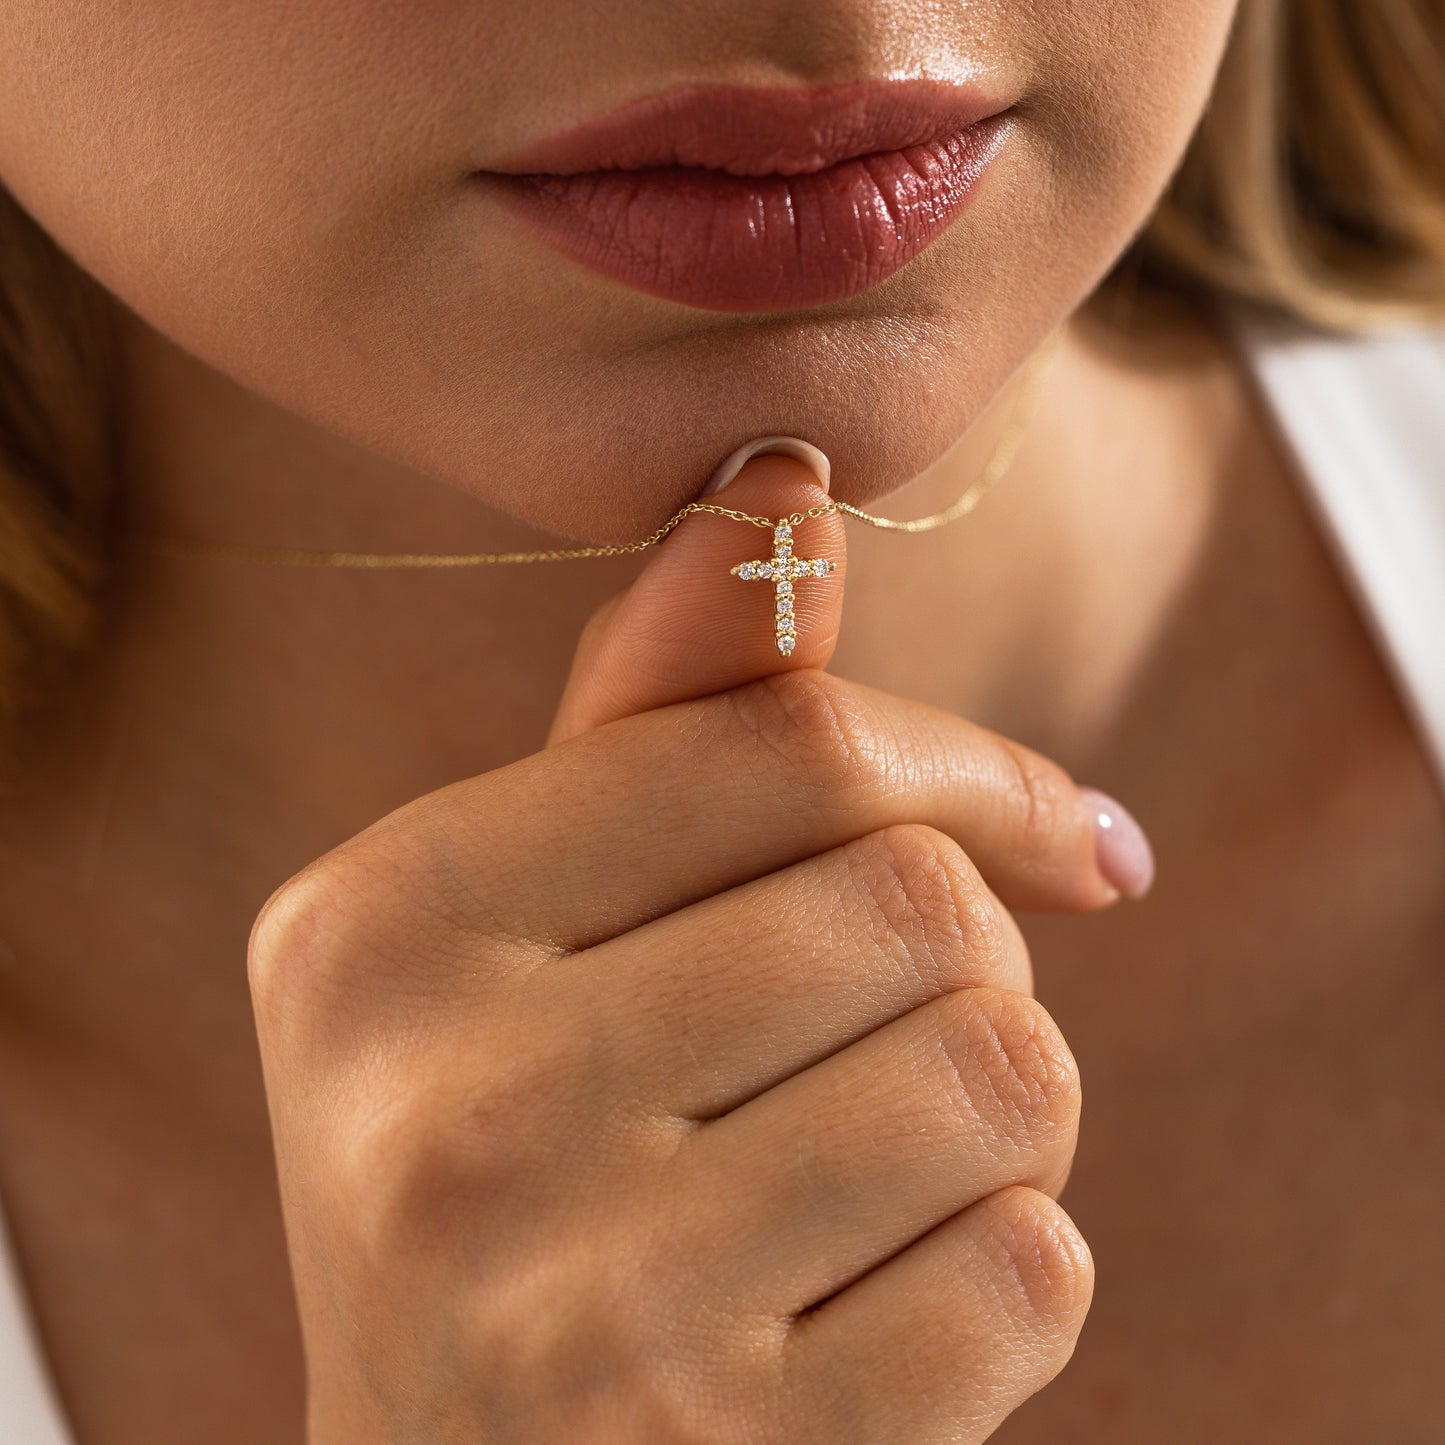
point(754, 131)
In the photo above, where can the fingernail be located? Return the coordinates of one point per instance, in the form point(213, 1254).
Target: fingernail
point(1120, 845)
point(805, 452)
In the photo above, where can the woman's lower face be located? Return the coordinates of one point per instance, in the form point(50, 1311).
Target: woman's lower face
point(306, 199)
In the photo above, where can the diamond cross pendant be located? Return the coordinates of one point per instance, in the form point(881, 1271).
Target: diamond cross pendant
point(782, 569)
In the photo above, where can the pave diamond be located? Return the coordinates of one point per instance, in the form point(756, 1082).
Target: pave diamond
point(781, 569)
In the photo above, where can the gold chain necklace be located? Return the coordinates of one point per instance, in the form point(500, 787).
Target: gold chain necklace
point(782, 568)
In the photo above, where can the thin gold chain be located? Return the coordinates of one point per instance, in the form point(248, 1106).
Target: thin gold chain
point(998, 463)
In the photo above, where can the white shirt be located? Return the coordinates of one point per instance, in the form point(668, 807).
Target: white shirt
point(1365, 417)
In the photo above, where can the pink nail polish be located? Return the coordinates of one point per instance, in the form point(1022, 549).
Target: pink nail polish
point(805, 452)
point(1120, 845)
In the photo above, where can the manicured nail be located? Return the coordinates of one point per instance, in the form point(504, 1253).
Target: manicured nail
point(805, 452)
point(1120, 845)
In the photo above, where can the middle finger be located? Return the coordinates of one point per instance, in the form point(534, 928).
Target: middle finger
point(712, 1005)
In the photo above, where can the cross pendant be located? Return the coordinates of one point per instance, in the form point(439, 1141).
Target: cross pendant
point(783, 569)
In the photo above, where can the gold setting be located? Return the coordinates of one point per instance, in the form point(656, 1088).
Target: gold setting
point(783, 569)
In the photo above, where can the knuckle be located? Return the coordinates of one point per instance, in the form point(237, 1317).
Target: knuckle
point(928, 894)
point(297, 927)
point(326, 941)
point(833, 750)
point(599, 1356)
point(1043, 794)
point(370, 925)
point(374, 1163)
point(425, 1161)
point(1041, 1259)
point(1015, 1069)
point(503, 1125)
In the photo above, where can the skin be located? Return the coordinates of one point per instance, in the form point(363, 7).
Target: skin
point(385, 305)
point(305, 370)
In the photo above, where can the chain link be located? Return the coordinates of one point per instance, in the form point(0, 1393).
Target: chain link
point(998, 463)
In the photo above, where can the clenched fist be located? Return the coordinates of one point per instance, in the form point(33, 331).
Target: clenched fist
point(683, 1081)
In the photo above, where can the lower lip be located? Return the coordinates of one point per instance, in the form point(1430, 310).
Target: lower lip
point(756, 243)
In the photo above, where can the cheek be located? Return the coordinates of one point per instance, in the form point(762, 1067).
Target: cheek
point(280, 189)
point(255, 180)
point(1124, 83)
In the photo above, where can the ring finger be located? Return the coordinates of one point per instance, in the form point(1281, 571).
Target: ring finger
point(802, 1190)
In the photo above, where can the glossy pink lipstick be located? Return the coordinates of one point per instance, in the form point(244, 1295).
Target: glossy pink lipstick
point(740, 199)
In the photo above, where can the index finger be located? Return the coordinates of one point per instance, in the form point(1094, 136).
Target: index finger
point(647, 814)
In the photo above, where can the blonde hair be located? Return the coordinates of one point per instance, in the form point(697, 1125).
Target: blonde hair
point(59, 443)
point(1314, 185)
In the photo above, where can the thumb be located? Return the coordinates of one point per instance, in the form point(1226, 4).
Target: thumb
point(688, 626)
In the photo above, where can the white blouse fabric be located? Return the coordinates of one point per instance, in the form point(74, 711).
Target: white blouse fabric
point(1365, 417)
point(29, 1411)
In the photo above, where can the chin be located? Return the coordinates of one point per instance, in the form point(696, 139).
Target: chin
point(611, 450)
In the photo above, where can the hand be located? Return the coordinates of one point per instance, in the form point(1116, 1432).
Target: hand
point(682, 1082)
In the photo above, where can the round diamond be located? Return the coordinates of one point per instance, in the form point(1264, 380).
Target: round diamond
point(763, 569)
point(787, 644)
point(785, 624)
point(747, 571)
point(783, 550)
point(785, 589)
point(822, 567)
point(783, 533)
point(785, 604)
